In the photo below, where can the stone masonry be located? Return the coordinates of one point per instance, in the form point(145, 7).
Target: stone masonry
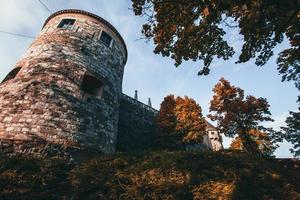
point(64, 96)
point(136, 126)
point(43, 103)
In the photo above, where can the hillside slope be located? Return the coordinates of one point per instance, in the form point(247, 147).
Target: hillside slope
point(151, 175)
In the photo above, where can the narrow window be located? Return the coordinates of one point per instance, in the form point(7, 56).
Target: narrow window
point(66, 23)
point(12, 74)
point(112, 44)
point(105, 38)
point(92, 86)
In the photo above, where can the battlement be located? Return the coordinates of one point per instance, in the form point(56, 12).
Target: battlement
point(138, 103)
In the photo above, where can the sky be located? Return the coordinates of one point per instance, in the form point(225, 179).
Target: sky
point(152, 75)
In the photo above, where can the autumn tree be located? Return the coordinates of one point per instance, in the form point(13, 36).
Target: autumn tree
point(195, 30)
point(179, 122)
point(237, 115)
point(190, 122)
point(262, 140)
point(292, 132)
point(166, 123)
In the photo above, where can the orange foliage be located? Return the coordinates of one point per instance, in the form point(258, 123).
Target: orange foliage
point(151, 175)
point(166, 119)
point(201, 27)
point(237, 114)
point(261, 138)
point(190, 122)
point(180, 121)
point(214, 190)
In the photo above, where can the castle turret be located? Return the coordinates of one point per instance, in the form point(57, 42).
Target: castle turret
point(136, 95)
point(65, 91)
point(149, 102)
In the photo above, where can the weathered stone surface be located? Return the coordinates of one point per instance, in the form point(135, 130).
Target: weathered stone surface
point(45, 111)
point(45, 101)
point(137, 129)
point(136, 126)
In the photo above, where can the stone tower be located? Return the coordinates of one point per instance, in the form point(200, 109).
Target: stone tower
point(64, 93)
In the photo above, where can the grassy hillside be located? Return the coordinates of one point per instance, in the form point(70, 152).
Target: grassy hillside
point(152, 175)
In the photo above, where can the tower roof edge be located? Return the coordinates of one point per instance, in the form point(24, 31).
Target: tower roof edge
point(76, 11)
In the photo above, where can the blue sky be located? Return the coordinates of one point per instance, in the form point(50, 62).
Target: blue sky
point(152, 75)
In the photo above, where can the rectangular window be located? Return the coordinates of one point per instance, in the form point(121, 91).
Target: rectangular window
point(105, 38)
point(92, 86)
point(66, 23)
point(112, 44)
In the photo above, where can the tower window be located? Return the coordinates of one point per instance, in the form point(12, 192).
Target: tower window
point(105, 38)
point(92, 86)
point(66, 23)
point(12, 74)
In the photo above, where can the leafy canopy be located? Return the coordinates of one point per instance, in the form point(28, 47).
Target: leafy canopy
point(292, 132)
point(237, 115)
point(262, 140)
point(195, 30)
point(179, 122)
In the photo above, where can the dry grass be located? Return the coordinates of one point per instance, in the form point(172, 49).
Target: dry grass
point(152, 175)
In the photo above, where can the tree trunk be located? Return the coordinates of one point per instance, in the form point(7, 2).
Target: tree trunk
point(250, 146)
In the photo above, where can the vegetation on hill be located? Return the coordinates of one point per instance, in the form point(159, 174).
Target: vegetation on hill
point(152, 175)
point(261, 139)
point(179, 122)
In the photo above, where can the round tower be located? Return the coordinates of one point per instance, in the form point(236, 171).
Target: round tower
point(64, 93)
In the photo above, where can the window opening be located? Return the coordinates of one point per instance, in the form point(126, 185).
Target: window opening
point(66, 23)
point(112, 44)
point(105, 38)
point(12, 74)
point(92, 86)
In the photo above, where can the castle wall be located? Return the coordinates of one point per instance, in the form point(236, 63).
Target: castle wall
point(136, 126)
point(45, 106)
point(137, 129)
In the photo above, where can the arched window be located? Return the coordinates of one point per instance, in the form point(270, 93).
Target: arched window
point(92, 86)
point(12, 74)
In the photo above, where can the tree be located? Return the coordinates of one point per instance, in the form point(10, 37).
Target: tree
point(190, 122)
point(262, 140)
point(166, 123)
point(195, 29)
point(237, 114)
point(179, 122)
point(292, 132)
